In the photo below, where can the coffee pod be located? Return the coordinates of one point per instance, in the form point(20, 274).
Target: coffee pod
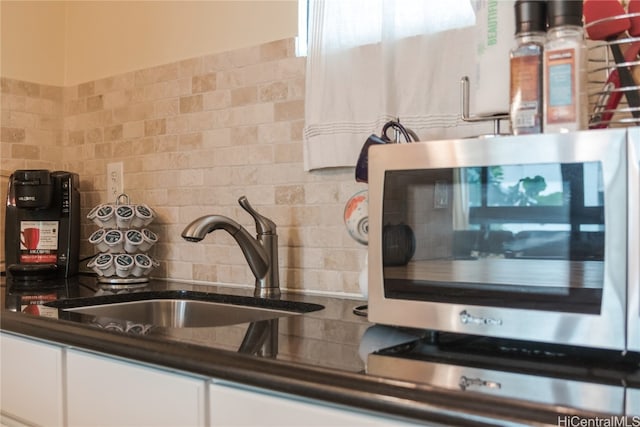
point(143, 215)
point(124, 216)
point(92, 213)
point(114, 240)
point(154, 264)
point(102, 264)
point(105, 217)
point(123, 264)
point(149, 239)
point(142, 265)
point(132, 241)
point(97, 239)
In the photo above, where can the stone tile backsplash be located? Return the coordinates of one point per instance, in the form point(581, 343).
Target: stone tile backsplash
point(31, 125)
point(194, 136)
point(31, 132)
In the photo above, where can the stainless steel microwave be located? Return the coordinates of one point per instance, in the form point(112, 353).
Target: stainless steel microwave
point(525, 237)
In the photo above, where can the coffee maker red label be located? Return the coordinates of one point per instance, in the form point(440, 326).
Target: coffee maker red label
point(39, 242)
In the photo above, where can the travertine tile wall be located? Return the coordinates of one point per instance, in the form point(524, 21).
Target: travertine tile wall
point(31, 132)
point(194, 136)
point(31, 124)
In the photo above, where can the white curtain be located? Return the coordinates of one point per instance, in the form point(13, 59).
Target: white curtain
point(370, 61)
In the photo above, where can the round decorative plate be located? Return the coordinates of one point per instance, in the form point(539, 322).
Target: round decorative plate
point(356, 216)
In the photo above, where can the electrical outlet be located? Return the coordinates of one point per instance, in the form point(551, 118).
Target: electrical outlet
point(115, 181)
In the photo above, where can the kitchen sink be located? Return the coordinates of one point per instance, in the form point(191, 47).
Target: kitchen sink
point(183, 309)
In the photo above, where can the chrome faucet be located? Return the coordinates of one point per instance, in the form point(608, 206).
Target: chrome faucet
point(260, 252)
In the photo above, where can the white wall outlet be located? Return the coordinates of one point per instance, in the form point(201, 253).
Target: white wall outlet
point(115, 181)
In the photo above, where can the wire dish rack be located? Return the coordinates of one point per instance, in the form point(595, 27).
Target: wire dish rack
point(607, 94)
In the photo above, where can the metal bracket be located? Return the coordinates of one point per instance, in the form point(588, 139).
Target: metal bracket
point(464, 100)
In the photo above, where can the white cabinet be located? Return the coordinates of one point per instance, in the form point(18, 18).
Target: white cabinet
point(31, 378)
point(51, 385)
point(235, 405)
point(111, 392)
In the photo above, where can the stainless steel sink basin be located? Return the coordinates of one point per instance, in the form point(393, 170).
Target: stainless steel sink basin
point(181, 313)
point(183, 309)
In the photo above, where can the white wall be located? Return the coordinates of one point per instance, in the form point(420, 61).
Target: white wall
point(32, 41)
point(108, 38)
point(70, 42)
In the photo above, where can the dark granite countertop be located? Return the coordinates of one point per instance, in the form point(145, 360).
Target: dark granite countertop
point(319, 354)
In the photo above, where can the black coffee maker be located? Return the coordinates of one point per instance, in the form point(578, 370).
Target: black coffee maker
point(42, 225)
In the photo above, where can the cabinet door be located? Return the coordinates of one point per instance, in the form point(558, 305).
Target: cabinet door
point(31, 378)
point(112, 392)
point(237, 405)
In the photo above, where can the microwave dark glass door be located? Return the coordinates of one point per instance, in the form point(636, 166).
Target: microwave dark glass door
point(527, 236)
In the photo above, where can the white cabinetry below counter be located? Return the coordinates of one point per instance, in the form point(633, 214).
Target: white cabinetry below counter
point(112, 392)
point(49, 384)
point(236, 405)
point(32, 379)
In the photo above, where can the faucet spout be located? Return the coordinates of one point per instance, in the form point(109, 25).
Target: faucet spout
point(261, 252)
point(255, 255)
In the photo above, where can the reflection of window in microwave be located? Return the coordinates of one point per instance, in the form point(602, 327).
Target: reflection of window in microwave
point(532, 211)
point(546, 211)
point(532, 185)
point(521, 185)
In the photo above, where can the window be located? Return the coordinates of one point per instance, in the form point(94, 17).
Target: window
point(351, 23)
point(303, 27)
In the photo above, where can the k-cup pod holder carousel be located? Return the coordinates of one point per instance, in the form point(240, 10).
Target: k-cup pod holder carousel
point(122, 242)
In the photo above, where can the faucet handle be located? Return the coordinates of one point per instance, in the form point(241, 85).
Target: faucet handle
point(263, 224)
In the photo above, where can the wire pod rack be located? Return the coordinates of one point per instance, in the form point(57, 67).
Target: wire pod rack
point(122, 242)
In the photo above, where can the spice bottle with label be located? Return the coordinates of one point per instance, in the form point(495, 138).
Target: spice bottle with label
point(526, 60)
point(565, 96)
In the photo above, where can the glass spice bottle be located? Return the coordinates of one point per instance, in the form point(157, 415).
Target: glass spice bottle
point(565, 97)
point(526, 61)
